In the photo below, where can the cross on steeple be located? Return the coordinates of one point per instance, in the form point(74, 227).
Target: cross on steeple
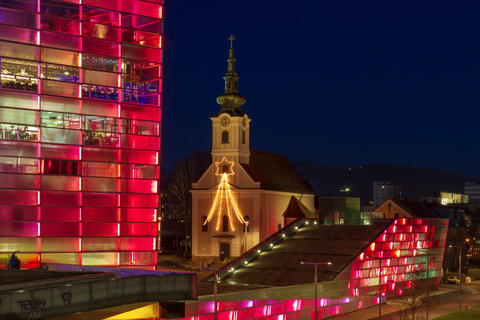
point(231, 40)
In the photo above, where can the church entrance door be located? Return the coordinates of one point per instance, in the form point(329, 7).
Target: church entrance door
point(224, 251)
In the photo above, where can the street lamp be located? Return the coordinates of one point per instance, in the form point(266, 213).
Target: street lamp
point(459, 274)
point(215, 271)
point(315, 264)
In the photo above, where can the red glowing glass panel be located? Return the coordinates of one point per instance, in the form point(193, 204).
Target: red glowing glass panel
point(59, 229)
point(139, 200)
point(138, 229)
point(137, 244)
point(101, 214)
point(19, 229)
point(24, 213)
point(138, 215)
point(67, 214)
point(100, 199)
point(57, 198)
point(18, 197)
point(99, 229)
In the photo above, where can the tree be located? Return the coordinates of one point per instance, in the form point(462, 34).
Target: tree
point(187, 171)
point(416, 293)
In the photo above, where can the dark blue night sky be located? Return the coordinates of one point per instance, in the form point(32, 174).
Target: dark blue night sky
point(333, 82)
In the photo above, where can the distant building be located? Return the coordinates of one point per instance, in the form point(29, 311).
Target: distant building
point(383, 190)
point(445, 198)
point(473, 191)
point(339, 210)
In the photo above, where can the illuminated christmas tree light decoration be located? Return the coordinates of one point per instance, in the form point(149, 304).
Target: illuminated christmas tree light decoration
point(224, 169)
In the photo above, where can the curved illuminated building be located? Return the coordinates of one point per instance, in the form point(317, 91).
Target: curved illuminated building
point(80, 107)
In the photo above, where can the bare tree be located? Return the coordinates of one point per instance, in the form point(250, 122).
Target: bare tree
point(417, 295)
point(186, 171)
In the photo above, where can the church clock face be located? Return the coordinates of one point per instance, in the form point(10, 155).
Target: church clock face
point(225, 121)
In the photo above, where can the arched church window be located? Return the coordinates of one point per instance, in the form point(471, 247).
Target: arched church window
point(225, 224)
point(247, 223)
point(243, 136)
point(204, 224)
point(225, 136)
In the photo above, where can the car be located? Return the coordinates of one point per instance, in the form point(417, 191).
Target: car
point(453, 280)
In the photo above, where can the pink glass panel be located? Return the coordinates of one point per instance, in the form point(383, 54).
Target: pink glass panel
point(60, 152)
point(19, 197)
point(138, 229)
point(141, 113)
point(18, 181)
point(101, 154)
point(101, 169)
point(142, 8)
point(141, 53)
point(19, 100)
point(60, 214)
point(100, 244)
point(18, 51)
point(100, 78)
point(59, 88)
point(68, 58)
point(100, 47)
point(139, 186)
point(60, 25)
point(112, 5)
point(140, 156)
point(101, 214)
point(58, 182)
point(100, 108)
point(100, 184)
point(140, 142)
point(101, 31)
point(99, 229)
point(139, 200)
point(138, 215)
point(25, 213)
point(60, 104)
point(137, 243)
point(58, 198)
point(19, 229)
point(19, 149)
point(100, 199)
point(60, 41)
point(20, 18)
point(59, 229)
point(17, 34)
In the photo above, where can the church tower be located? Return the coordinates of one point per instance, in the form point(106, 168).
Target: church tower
point(230, 126)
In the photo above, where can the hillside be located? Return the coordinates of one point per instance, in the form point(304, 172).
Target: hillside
point(328, 181)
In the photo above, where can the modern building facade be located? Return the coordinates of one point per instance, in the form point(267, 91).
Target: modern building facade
point(80, 112)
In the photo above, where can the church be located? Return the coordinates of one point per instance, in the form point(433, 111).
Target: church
point(245, 195)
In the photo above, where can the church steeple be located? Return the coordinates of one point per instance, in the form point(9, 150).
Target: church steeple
point(231, 101)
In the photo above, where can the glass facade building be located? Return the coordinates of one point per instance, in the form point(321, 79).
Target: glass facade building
point(80, 113)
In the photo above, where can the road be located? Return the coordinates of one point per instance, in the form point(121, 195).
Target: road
point(449, 302)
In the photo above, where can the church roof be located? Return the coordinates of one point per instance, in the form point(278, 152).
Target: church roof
point(275, 172)
point(296, 209)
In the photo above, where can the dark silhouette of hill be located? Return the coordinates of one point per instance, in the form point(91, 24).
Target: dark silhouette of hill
point(329, 181)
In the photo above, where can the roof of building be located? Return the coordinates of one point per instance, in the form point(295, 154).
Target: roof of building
point(276, 173)
point(338, 244)
point(415, 209)
point(296, 209)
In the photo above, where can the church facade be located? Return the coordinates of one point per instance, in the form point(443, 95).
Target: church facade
point(243, 197)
